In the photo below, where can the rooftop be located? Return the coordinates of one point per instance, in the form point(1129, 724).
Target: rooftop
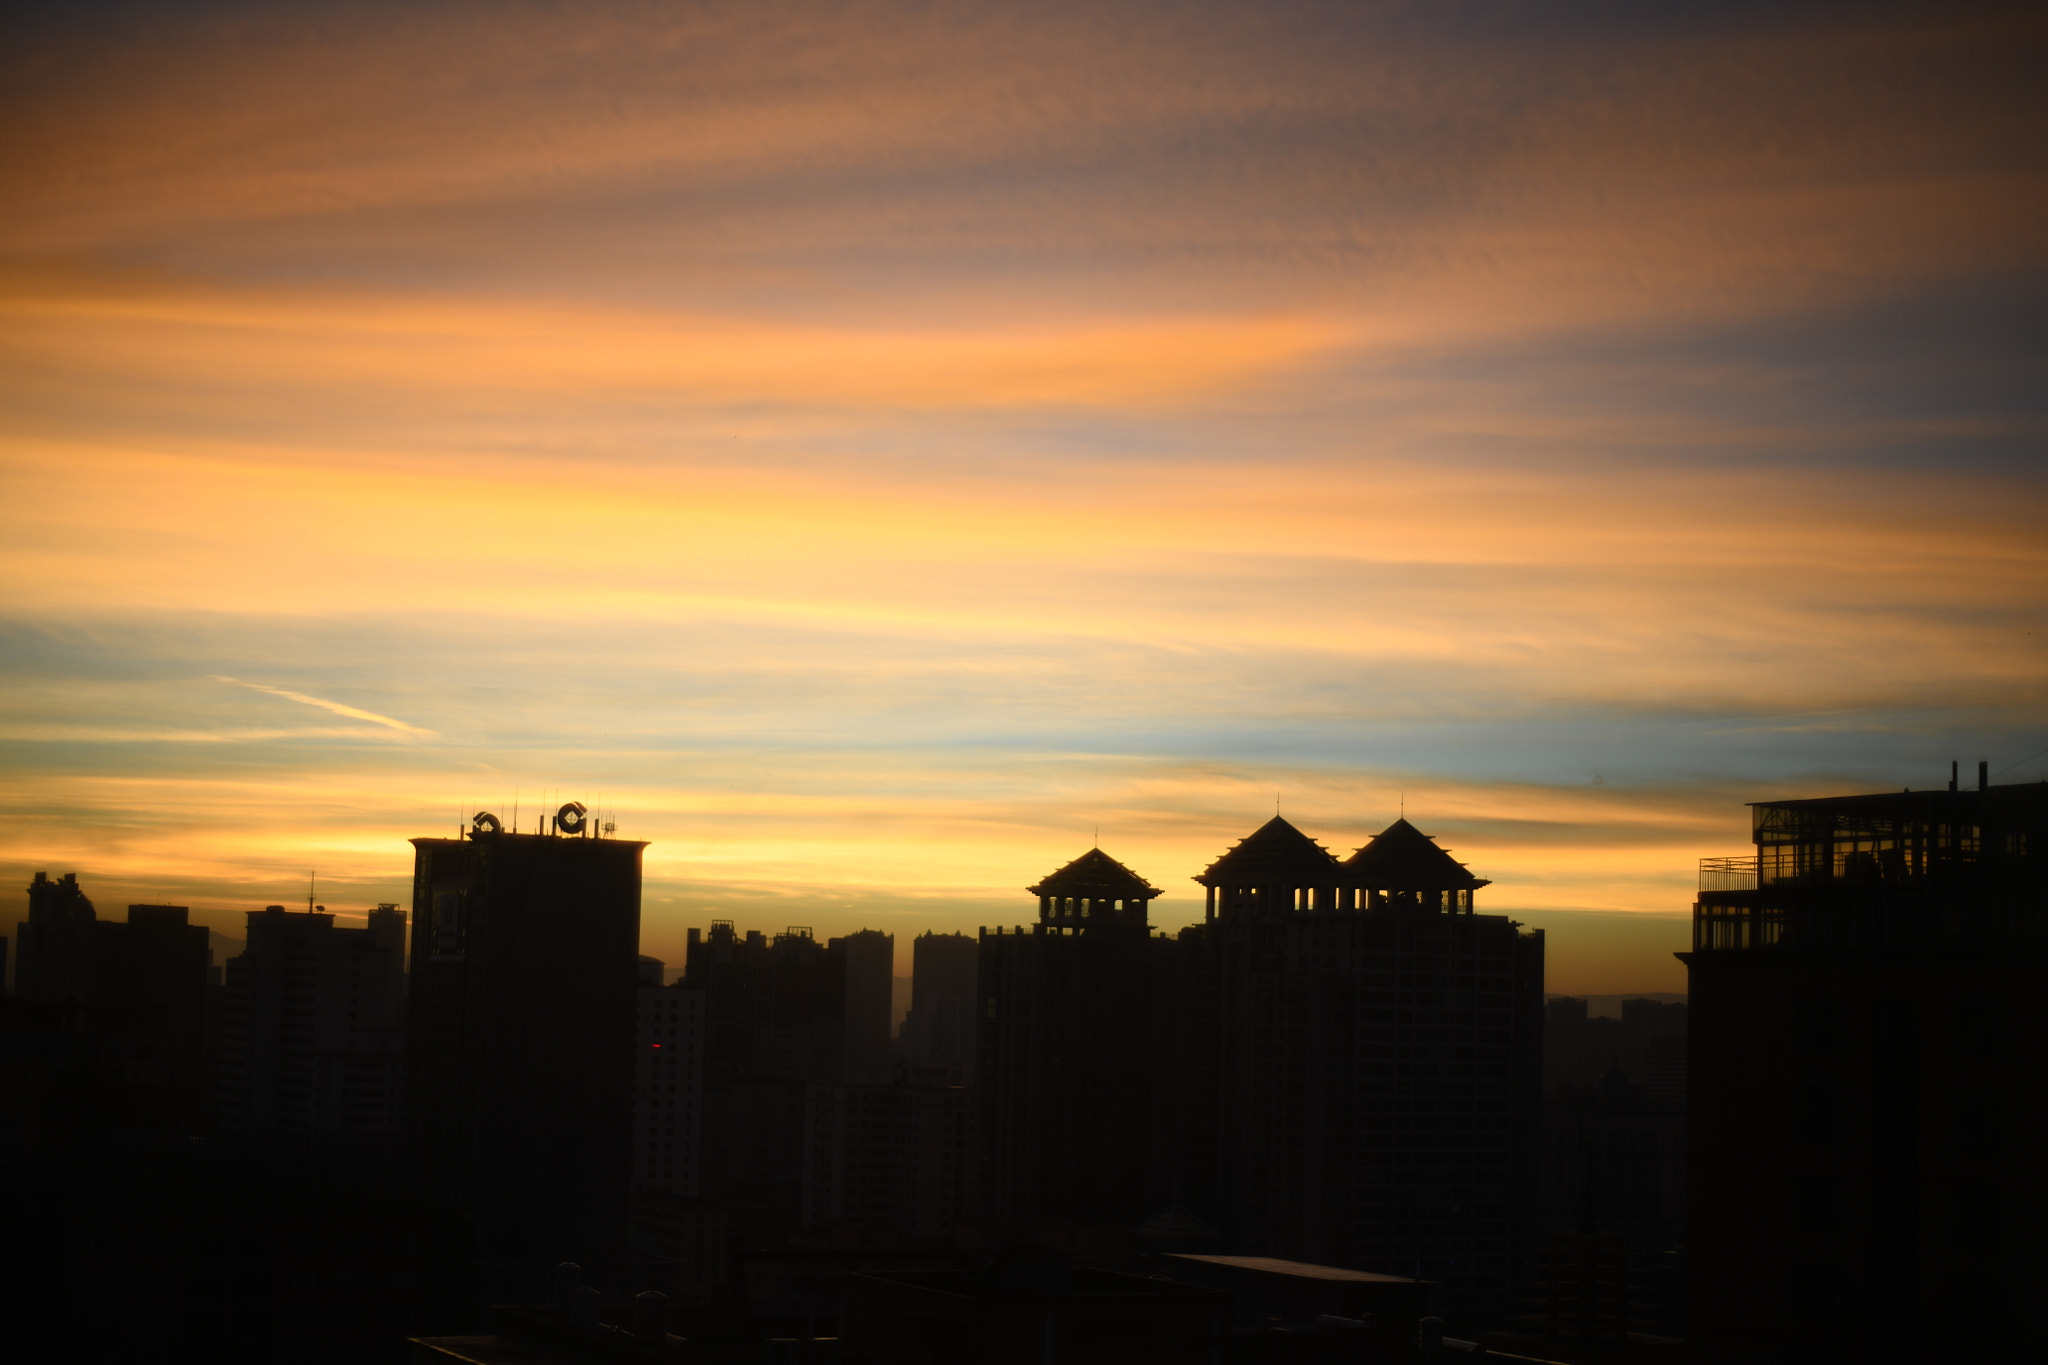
point(1275, 854)
point(1097, 876)
point(1403, 858)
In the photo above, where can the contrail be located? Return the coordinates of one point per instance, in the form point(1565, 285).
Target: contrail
point(338, 708)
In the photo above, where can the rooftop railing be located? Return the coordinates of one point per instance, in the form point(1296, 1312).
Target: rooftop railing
point(1728, 874)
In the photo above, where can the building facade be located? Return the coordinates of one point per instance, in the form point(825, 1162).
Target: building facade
point(312, 1025)
point(128, 1001)
point(520, 1039)
point(668, 1086)
point(1072, 1100)
point(1341, 1064)
point(939, 1031)
point(799, 1123)
point(1380, 1061)
point(1865, 1152)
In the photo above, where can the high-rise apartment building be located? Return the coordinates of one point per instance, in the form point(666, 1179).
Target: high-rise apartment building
point(1341, 1064)
point(521, 1025)
point(870, 978)
point(668, 1086)
point(792, 1007)
point(939, 1032)
point(1866, 1115)
point(1380, 1044)
point(53, 946)
point(312, 1024)
point(894, 1154)
point(135, 996)
point(802, 1124)
point(1070, 1086)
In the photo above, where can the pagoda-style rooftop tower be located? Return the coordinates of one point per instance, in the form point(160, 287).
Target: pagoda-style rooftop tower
point(1401, 868)
point(1273, 871)
point(1094, 891)
point(1277, 870)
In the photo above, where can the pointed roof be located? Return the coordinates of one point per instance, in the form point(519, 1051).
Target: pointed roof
point(1403, 858)
point(1097, 876)
point(1274, 854)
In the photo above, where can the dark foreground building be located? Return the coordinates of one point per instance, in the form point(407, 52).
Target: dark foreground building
point(939, 1031)
point(107, 1017)
point(520, 1046)
point(1866, 1153)
point(1341, 1065)
point(1073, 1090)
point(1380, 1078)
point(312, 1024)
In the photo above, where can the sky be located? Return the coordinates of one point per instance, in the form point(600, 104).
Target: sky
point(875, 451)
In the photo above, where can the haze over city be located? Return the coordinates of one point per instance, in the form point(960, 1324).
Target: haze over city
point(872, 452)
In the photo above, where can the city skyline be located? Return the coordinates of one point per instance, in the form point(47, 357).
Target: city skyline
point(873, 450)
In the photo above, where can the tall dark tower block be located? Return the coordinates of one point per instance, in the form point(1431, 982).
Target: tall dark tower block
point(310, 1030)
point(1380, 1060)
point(1866, 1117)
point(521, 1040)
point(938, 1033)
point(53, 946)
point(1070, 1030)
point(870, 974)
point(134, 998)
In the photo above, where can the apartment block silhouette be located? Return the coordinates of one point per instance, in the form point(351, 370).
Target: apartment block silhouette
point(1865, 1179)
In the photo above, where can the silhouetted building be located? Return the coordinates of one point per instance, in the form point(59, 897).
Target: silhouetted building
point(1341, 1065)
point(1647, 1042)
point(870, 979)
point(781, 1015)
point(521, 1026)
point(53, 946)
point(668, 1086)
point(1866, 1152)
point(939, 1031)
point(1614, 1164)
point(110, 1014)
point(793, 1007)
point(1074, 1105)
point(1381, 1049)
point(888, 1154)
point(312, 1026)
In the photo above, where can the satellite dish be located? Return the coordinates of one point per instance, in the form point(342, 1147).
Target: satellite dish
point(486, 823)
point(570, 818)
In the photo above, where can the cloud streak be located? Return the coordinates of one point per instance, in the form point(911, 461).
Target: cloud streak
point(338, 708)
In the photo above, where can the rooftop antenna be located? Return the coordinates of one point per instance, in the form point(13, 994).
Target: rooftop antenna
point(1098, 836)
point(311, 877)
point(1404, 805)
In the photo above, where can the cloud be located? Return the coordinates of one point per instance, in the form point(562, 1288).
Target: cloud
point(338, 708)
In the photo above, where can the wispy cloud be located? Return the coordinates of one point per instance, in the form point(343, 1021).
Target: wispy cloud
point(338, 708)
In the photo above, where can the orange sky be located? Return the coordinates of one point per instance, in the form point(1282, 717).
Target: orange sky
point(871, 447)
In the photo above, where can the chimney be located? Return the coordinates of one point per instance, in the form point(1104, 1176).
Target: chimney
point(1983, 774)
